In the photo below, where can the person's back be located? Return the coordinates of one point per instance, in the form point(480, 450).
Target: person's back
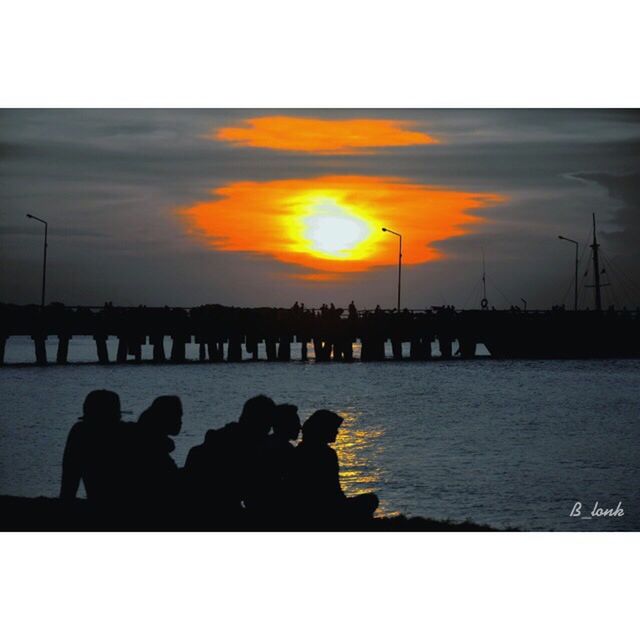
point(211, 475)
point(226, 471)
point(252, 461)
point(156, 473)
point(280, 458)
point(316, 475)
point(94, 452)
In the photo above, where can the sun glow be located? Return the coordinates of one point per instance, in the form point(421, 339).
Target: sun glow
point(334, 231)
point(322, 135)
point(331, 226)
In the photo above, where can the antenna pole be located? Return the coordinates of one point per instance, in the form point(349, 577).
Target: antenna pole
point(484, 303)
point(575, 283)
point(596, 267)
point(484, 279)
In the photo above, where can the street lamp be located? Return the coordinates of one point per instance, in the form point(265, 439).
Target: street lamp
point(399, 262)
point(575, 292)
point(44, 263)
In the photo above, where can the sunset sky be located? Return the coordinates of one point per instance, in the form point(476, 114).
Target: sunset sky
point(265, 207)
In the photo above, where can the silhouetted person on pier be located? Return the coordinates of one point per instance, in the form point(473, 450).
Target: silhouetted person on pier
point(316, 475)
point(96, 452)
point(156, 473)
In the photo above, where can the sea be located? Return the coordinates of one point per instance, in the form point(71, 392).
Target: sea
point(509, 443)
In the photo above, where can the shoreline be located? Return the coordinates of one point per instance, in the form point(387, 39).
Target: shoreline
point(50, 514)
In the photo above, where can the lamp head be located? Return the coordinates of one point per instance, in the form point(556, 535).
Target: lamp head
point(383, 229)
point(29, 215)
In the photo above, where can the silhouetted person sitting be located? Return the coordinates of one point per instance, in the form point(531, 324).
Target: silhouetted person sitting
point(226, 471)
point(281, 454)
point(156, 473)
point(316, 475)
point(94, 452)
point(286, 428)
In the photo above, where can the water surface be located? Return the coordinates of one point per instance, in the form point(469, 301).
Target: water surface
point(507, 443)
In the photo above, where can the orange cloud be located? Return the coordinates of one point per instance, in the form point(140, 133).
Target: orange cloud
point(332, 225)
point(314, 135)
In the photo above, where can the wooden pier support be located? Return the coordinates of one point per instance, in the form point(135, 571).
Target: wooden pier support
point(304, 350)
point(101, 348)
point(396, 349)
point(270, 347)
point(251, 345)
point(215, 351)
point(372, 350)
point(284, 349)
point(420, 349)
point(123, 349)
point(63, 349)
point(467, 347)
point(234, 353)
point(3, 344)
point(322, 349)
point(178, 348)
point(159, 355)
point(40, 343)
point(202, 352)
point(446, 346)
point(135, 348)
point(343, 351)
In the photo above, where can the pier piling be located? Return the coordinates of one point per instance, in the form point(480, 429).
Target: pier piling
point(40, 343)
point(101, 349)
point(123, 350)
point(178, 348)
point(63, 349)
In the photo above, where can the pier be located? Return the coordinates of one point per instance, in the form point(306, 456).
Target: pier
point(227, 334)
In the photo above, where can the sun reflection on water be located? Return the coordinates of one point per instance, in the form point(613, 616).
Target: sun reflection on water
point(358, 448)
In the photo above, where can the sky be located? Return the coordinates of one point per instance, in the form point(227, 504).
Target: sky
point(266, 207)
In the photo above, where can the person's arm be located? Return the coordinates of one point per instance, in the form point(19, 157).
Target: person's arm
point(337, 489)
point(71, 469)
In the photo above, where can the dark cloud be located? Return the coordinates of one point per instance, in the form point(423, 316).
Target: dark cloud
point(625, 189)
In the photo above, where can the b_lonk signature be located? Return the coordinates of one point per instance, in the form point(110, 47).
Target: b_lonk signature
point(596, 512)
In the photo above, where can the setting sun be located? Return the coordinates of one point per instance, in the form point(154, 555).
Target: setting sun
point(334, 231)
point(332, 225)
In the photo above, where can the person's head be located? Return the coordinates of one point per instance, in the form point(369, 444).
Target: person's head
point(287, 422)
point(101, 406)
point(321, 427)
point(258, 414)
point(164, 415)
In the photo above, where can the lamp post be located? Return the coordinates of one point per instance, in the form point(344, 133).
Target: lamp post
point(399, 262)
point(575, 287)
point(44, 263)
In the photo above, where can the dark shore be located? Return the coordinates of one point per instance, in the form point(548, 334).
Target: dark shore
point(49, 514)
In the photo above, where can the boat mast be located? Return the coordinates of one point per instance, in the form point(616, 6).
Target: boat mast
point(484, 303)
point(596, 267)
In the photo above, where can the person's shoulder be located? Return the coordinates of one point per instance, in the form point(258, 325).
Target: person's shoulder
point(330, 452)
point(231, 430)
point(228, 428)
point(78, 429)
